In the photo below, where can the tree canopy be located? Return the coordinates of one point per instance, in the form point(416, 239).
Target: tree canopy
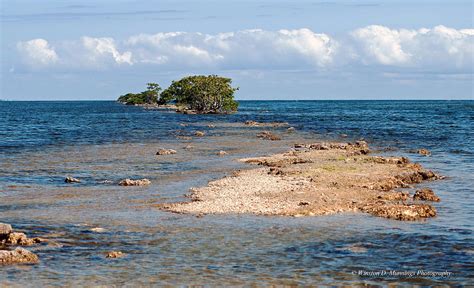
point(202, 94)
point(150, 96)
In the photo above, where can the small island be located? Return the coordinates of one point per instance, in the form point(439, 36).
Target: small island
point(197, 94)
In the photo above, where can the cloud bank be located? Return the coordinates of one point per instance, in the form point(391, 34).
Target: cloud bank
point(434, 49)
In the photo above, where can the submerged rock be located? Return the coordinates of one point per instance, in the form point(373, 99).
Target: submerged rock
point(166, 152)
point(426, 194)
point(252, 123)
point(422, 151)
point(267, 135)
point(72, 180)
point(19, 255)
point(137, 182)
point(114, 254)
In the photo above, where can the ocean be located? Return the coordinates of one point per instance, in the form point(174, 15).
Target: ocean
point(102, 142)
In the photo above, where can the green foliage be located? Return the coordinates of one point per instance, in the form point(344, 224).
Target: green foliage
point(150, 96)
point(204, 94)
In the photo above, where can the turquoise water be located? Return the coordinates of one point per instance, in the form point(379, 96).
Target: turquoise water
point(42, 142)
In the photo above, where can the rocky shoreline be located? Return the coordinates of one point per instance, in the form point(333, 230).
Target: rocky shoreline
point(318, 179)
point(10, 253)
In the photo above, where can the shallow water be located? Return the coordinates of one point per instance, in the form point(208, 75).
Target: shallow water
point(42, 142)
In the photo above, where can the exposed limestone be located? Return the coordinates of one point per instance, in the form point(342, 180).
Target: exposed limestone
point(267, 135)
point(72, 180)
point(5, 229)
point(166, 152)
point(359, 147)
point(199, 134)
point(16, 238)
point(9, 237)
point(426, 194)
point(137, 182)
point(114, 254)
point(316, 179)
point(17, 256)
point(405, 212)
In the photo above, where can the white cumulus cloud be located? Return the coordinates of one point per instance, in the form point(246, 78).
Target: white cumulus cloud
point(37, 53)
point(242, 49)
point(439, 47)
point(99, 49)
point(436, 49)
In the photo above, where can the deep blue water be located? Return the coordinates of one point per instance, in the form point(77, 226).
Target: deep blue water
point(224, 249)
point(440, 125)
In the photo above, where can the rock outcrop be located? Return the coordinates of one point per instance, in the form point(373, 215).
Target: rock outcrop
point(16, 238)
point(166, 152)
point(316, 179)
point(5, 229)
point(9, 237)
point(18, 256)
point(404, 212)
point(72, 180)
point(199, 134)
point(424, 152)
point(136, 182)
point(426, 194)
point(114, 254)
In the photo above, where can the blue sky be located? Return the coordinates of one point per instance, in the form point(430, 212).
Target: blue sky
point(98, 50)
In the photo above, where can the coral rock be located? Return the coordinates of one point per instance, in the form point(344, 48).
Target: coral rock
point(19, 255)
point(199, 134)
point(401, 211)
point(426, 194)
point(131, 182)
point(72, 180)
point(114, 254)
point(166, 152)
point(5, 229)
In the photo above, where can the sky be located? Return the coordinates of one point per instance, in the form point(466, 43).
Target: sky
point(273, 50)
